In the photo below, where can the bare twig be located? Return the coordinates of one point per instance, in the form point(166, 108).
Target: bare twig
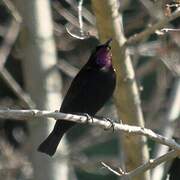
point(146, 68)
point(76, 35)
point(6, 47)
point(73, 20)
point(153, 10)
point(9, 39)
point(170, 29)
point(80, 17)
point(83, 34)
point(87, 14)
point(11, 82)
point(67, 15)
point(173, 5)
point(111, 169)
point(13, 10)
point(147, 166)
point(150, 30)
point(133, 130)
point(154, 162)
point(67, 68)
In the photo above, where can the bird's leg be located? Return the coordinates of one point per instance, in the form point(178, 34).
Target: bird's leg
point(89, 118)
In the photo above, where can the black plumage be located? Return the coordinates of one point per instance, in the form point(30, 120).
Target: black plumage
point(89, 91)
point(174, 171)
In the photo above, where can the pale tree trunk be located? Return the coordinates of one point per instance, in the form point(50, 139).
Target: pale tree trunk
point(42, 82)
point(109, 24)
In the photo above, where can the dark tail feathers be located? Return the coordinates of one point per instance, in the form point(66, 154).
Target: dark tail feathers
point(50, 144)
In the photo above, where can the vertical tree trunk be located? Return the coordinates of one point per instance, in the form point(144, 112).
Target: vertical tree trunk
point(42, 81)
point(109, 24)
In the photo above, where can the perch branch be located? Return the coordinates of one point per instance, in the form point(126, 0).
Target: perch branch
point(133, 130)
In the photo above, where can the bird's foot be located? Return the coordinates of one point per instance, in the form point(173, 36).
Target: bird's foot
point(89, 118)
point(112, 123)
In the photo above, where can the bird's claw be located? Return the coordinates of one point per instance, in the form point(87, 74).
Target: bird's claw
point(112, 123)
point(88, 117)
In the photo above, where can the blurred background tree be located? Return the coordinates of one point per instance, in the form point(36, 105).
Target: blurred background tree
point(39, 58)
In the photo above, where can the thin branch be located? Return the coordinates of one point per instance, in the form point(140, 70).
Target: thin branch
point(146, 68)
point(6, 47)
point(67, 68)
point(173, 5)
point(147, 166)
point(73, 20)
point(87, 14)
point(154, 162)
point(80, 17)
point(133, 130)
point(150, 30)
point(83, 34)
point(170, 30)
point(111, 169)
point(153, 10)
point(13, 10)
point(15, 87)
point(9, 39)
point(66, 14)
point(76, 35)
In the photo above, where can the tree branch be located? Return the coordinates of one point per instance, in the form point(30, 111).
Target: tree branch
point(133, 130)
point(13, 10)
point(150, 30)
point(16, 88)
point(9, 40)
point(149, 165)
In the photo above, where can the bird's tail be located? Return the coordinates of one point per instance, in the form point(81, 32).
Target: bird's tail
point(50, 144)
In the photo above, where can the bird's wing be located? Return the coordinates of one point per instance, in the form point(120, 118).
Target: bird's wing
point(73, 101)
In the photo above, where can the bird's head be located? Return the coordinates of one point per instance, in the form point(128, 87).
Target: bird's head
point(102, 57)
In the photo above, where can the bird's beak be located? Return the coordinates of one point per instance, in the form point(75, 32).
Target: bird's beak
point(108, 42)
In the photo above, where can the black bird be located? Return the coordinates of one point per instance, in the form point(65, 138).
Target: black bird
point(89, 91)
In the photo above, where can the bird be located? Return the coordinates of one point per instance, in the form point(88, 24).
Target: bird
point(89, 91)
